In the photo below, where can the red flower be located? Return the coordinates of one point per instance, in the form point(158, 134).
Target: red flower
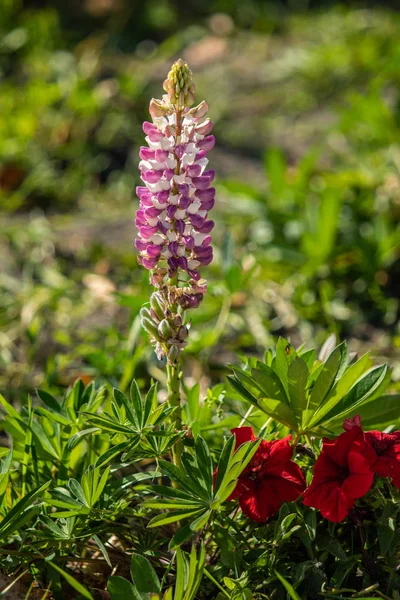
point(387, 448)
point(343, 472)
point(269, 479)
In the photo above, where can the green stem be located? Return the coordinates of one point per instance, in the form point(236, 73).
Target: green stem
point(174, 400)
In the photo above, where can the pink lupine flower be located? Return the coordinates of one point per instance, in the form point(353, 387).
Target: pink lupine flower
point(176, 197)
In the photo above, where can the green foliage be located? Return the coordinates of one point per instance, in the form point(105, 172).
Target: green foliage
point(312, 397)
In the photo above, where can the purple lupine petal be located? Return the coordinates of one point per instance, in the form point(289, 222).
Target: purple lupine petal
point(151, 213)
point(188, 240)
point(161, 155)
point(208, 204)
point(206, 227)
point(204, 128)
point(194, 170)
point(180, 226)
point(173, 248)
point(156, 136)
point(197, 221)
point(171, 210)
point(202, 251)
point(183, 189)
point(168, 174)
point(146, 231)
point(194, 274)
point(205, 194)
point(149, 263)
point(184, 202)
point(207, 240)
point(141, 245)
point(180, 150)
point(200, 155)
point(182, 262)
point(210, 173)
point(153, 251)
point(147, 154)
point(201, 183)
point(163, 196)
point(207, 143)
point(147, 127)
point(173, 263)
point(142, 191)
point(205, 260)
point(151, 176)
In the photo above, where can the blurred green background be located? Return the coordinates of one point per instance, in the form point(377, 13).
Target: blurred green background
point(305, 98)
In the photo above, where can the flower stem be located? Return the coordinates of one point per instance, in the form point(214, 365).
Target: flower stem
point(174, 400)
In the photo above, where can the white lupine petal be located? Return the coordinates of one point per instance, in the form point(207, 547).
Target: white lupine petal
point(152, 222)
point(188, 229)
point(171, 235)
point(154, 187)
point(180, 214)
point(156, 204)
point(198, 238)
point(145, 165)
point(187, 159)
point(193, 264)
point(166, 254)
point(174, 199)
point(160, 122)
point(181, 251)
point(171, 162)
point(203, 162)
point(194, 207)
point(157, 239)
point(152, 145)
point(202, 213)
point(172, 119)
point(180, 178)
point(166, 144)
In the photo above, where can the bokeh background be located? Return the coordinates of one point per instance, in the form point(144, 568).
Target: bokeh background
point(305, 98)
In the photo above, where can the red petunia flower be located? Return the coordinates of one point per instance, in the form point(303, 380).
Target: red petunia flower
point(343, 472)
point(270, 478)
point(387, 448)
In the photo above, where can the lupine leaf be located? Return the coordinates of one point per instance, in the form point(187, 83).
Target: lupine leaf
point(144, 576)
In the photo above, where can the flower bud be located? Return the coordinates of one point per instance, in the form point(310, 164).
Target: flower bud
point(148, 324)
point(183, 333)
point(165, 329)
point(157, 108)
point(173, 353)
point(157, 304)
point(179, 85)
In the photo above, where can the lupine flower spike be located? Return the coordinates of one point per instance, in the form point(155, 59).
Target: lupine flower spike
point(174, 238)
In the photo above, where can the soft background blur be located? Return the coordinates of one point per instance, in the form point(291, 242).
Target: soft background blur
point(305, 98)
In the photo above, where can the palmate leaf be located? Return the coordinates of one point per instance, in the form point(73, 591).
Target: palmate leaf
point(341, 388)
point(285, 355)
point(305, 397)
point(323, 384)
point(358, 394)
point(197, 497)
point(21, 511)
point(144, 577)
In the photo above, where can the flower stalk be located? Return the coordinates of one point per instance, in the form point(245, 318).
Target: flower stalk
point(174, 238)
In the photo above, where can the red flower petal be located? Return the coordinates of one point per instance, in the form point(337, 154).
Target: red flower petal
point(360, 478)
point(338, 449)
point(242, 435)
point(259, 500)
